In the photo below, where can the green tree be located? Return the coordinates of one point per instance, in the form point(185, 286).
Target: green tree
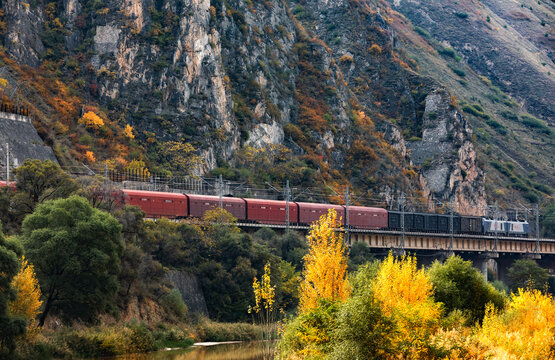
point(10, 327)
point(39, 181)
point(526, 273)
point(76, 250)
point(458, 285)
point(363, 331)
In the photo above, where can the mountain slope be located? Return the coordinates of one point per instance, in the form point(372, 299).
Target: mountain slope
point(323, 93)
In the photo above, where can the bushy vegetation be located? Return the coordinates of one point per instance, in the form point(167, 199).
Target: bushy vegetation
point(396, 310)
point(95, 259)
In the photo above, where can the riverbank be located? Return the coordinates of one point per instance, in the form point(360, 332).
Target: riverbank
point(80, 341)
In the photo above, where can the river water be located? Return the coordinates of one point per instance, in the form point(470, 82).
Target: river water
point(237, 351)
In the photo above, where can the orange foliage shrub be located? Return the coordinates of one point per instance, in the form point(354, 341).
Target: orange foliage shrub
point(89, 157)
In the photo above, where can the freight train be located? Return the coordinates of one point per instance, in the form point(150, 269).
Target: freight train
point(175, 205)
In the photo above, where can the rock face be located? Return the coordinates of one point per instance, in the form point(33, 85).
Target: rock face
point(25, 143)
point(447, 157)
point(24, 26)
point(326, 79)
point(189, 288)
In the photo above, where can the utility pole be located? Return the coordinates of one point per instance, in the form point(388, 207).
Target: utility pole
point(451, 225)
point(496, 230)
point(221, 190)
point(402, 201)
point(7, 164)
point(287, 196)
point(348, 234)
point(537, 228)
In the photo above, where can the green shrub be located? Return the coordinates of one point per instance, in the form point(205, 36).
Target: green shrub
point(457, 71)
point(422, 31)
point(447, 51)
point(532, 122)
point(497, 126)
point(543, 188)
point(531, 197)
point(509, 115)
point(173, 304)
point(474, 109)
point(461, 15)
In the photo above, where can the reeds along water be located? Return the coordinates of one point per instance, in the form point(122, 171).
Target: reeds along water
point(256, 350)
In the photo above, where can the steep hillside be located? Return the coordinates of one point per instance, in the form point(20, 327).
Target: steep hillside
point(323, 93)
point(514, 147)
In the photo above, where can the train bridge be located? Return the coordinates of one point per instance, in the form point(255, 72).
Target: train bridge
point(484, 251)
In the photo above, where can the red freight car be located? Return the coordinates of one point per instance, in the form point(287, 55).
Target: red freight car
point(310, 212)
point(367, 217)
point(3, 184)
point(271, 211)
point(157, 204)
point(199, 204)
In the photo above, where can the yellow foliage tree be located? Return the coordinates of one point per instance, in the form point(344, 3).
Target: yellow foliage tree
point(182, 156)
point(218, 219)
point(27, 303)
point(138, 166)
point(405, 294)
point(525, 330)
point(91, 120)
point(325, 265)
point(128, 132)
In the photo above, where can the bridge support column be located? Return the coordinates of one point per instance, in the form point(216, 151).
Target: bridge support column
point(486, 260)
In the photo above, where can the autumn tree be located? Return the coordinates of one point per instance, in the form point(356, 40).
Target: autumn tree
point(405, 295)
point(526, 330)
point(27, 302)
point(181, 157)
point(264, 306)
point(10, 326)
point(217, 221)
point(76, 251)
point(91, 120)
point(325, 267)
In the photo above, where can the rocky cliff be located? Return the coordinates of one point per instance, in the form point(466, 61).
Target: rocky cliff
point(323, 92)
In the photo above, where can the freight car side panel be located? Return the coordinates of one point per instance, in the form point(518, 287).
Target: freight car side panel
point(310, 212)
point(443, 224)
point(157, 204)
point(394, 220)
point(199, 204)
point(367, 218)
point(271, 211)
point(471, 224)
point(419, 222)
point(431, 222)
